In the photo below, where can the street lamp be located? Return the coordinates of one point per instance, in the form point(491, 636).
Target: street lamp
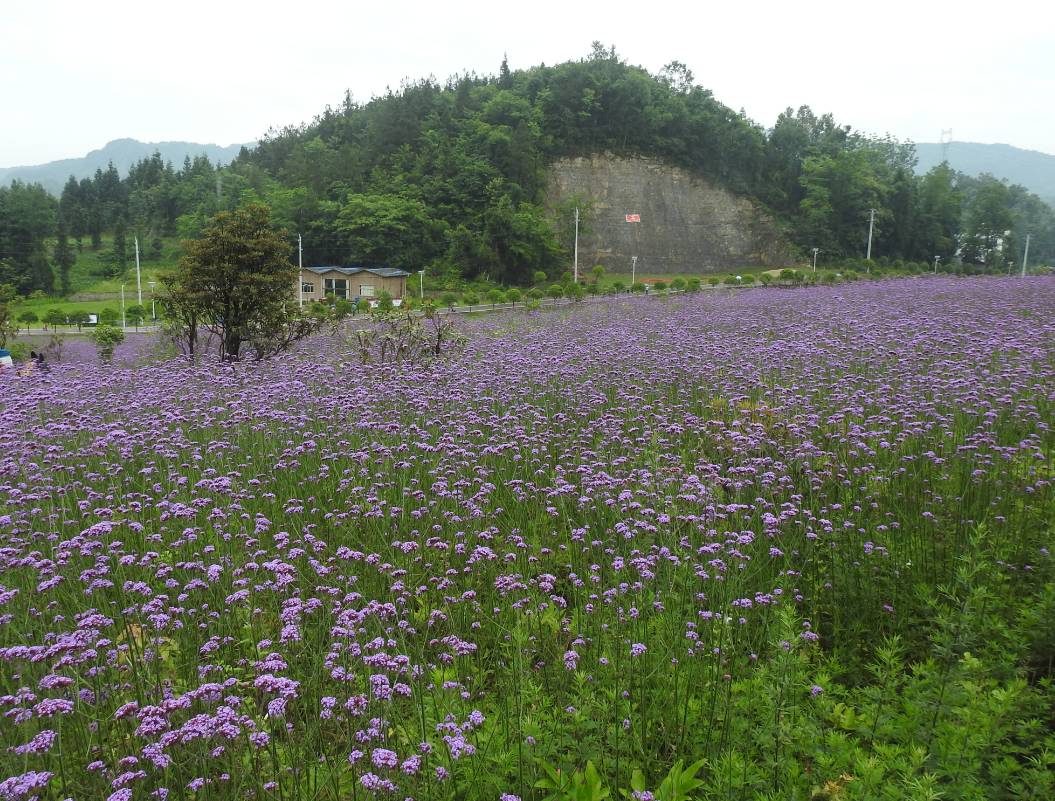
point(421, 284)
point(153, 311)
point(815, 252)
point(936, 260)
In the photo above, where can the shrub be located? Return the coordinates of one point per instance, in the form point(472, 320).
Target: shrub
point(714, 280)
point(556, 291)
point(637, 287)
point(496, 296)
point(538, 277)
point(471, 299)
point(678, 284)
point(693, 285)
point(449, 299)
point(106, 338)
point(749, 279)
point(618, 286)
point(513, 295)
point(660, 286)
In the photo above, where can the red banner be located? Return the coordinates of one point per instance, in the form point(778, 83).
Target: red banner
point(633, 218)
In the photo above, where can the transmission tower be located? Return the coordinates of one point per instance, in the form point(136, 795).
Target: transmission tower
point(946, 140)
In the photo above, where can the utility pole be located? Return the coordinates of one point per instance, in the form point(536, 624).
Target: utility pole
point(871, 226)
point(139, 278)
point(123, 323)
point(815, 252)
point(936, 260)
point(1025, 257)
point(633, 272)
point(576, 264)
point(300, 269)
point(421, 284)
point(153, 309)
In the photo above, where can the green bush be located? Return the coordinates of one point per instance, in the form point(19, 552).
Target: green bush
point(637, 287)
point(106, 338)
point(556, 291)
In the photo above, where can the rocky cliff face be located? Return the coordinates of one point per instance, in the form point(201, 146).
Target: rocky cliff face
point(688, 225)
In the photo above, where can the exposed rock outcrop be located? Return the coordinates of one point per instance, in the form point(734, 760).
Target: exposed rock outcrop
point(688, 224)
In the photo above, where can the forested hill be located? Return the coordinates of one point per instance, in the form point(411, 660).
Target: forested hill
point(461, 166)
point(452, 177)
point(1030, 168)
point(122, 152)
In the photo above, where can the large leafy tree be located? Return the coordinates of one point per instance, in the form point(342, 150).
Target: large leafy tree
point(237, 281)
point(388, 229)
point(987, 221)
point(938, 214)
point(839, 190)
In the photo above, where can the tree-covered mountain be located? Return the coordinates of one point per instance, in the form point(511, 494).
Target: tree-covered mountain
point(122, 153)
point(452, 177)
point(1030, 168)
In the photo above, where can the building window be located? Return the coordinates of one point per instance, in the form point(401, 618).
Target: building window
point(338, 287)
point(366, 290)
point(307, 287)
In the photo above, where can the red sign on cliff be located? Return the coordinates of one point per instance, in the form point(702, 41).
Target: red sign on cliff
point(633, 218)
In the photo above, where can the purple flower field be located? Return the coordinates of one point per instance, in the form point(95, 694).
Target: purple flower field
point(310, 579)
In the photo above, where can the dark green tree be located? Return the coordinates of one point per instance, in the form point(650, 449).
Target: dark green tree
point(64, 256)
point(237, 281)
point(28, 317)
point(119, 251)
point(987, 221)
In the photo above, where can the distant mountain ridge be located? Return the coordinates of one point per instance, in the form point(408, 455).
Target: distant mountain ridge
point(1029, 168)
point(123, 153)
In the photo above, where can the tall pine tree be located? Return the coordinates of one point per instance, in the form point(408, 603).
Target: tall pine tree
point(119, 254)
point(64, 256)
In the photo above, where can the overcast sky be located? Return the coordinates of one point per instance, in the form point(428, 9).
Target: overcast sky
point(75, 75)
